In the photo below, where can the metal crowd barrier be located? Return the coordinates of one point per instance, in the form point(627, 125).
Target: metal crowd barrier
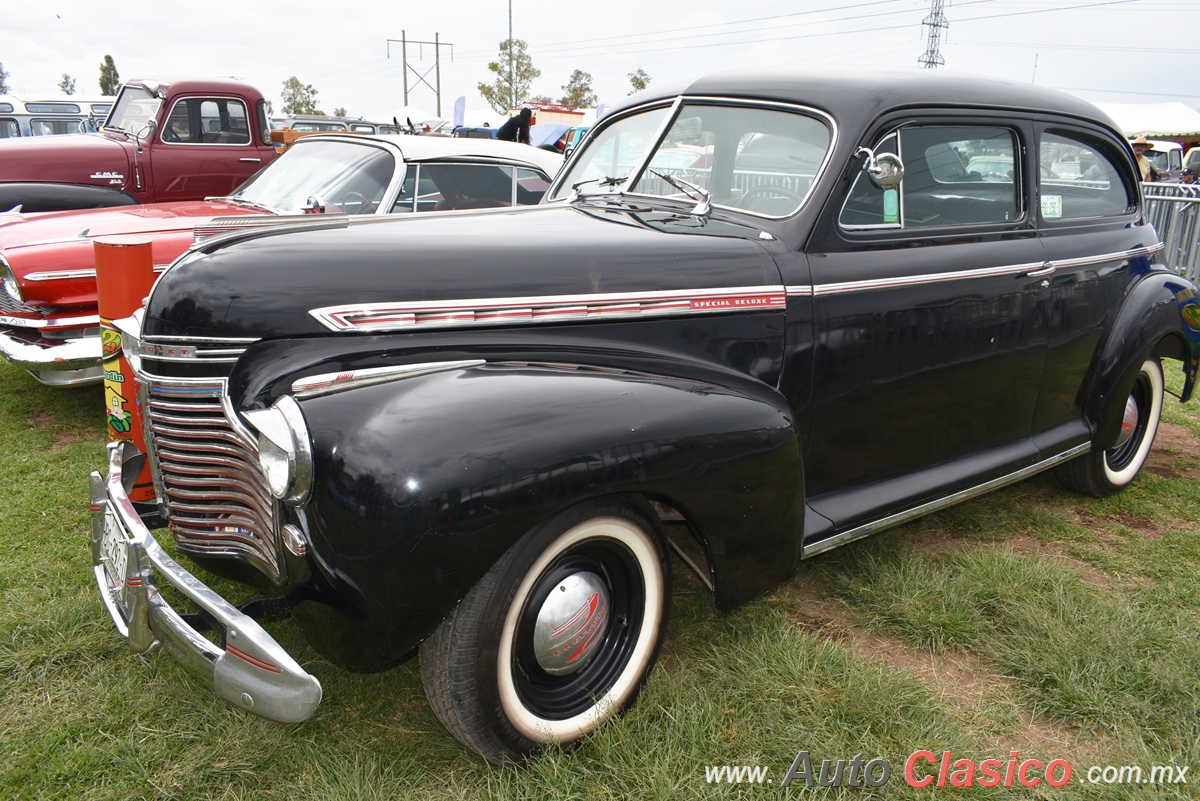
point(1174, 211)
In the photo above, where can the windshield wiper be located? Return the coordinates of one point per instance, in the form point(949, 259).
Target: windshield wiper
point(698, 193)
point(241, 201)
point(601, 182)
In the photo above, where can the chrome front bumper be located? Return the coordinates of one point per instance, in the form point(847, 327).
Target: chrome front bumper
point(61, 363)
point(251, 671)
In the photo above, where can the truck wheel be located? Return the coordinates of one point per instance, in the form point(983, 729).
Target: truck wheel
point(1103, 473)
point(558, 637)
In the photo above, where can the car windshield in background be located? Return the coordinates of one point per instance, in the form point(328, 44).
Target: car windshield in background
point(760, 160)
point(351, 176)
point(133, 111)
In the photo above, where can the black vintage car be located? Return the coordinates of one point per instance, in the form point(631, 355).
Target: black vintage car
point(791, 311)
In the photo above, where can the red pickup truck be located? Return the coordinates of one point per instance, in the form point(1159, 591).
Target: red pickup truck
point(184, 140)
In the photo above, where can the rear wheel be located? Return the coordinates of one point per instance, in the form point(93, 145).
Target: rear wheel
point(1103, 473)
point(559, 635)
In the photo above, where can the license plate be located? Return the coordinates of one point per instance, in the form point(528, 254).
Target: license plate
point(113, 550)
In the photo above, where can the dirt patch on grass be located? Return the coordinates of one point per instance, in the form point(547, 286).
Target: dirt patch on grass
point(62, 439)
point(1176, 453)
point(963, 679)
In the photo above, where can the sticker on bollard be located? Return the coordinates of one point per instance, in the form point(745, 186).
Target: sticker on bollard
point(124, 276)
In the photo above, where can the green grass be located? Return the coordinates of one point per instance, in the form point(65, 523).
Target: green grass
point(1029, 619)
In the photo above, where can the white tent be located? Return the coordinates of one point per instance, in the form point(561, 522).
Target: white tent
point(1155, 120)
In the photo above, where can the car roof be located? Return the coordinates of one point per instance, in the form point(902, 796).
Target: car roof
point(855, 99)
point(446, 148)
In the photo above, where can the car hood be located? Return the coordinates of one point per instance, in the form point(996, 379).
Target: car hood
point(94, 159)
point(270, 284)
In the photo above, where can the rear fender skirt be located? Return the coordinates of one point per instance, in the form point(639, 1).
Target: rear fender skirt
point(1161, 315)
point(423, 482)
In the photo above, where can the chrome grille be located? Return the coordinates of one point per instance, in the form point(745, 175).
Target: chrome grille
point(208, 475)
point(9, 305)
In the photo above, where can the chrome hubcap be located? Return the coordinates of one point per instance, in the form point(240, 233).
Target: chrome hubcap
point(1129, 422)
point(571, 624)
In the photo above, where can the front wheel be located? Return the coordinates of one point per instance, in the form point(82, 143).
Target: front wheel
point(1103, 473)
point(559, 635)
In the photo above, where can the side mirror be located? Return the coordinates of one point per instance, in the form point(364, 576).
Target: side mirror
point(313, 205)
point(152, 89)
point(885, 171)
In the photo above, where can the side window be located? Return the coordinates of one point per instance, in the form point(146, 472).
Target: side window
point(9, 128)
point(470, 186)
point(1079, 178)
point(531, 186)
point(209, 121)
point(952, 176)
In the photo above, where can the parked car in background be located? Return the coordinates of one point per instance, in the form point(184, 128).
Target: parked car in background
point(48, 316)
point(27, 116)
point(475, 132)
point(462, 434)
point(1167, 158)
point(183, 140)
point(573, 137)
point(549, 136)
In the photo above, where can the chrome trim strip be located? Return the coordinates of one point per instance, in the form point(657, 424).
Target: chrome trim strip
point(858, 533)
point(794, 290)
point(164, 339)
point(50, 322)
point(60, 275)
point(547, 308)
point(1030, 269)
point(1127, 254)
point(326, 383)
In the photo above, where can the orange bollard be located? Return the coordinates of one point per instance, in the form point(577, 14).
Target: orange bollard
point(124, 276)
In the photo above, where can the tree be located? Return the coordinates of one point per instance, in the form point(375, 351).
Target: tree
point(67, 84)
point(339, 112)
point(578, 90)
point(515, 74)
point(110, 81)
point(299, 98)
point(544, 100)
point(3, 80)
point(638, 80)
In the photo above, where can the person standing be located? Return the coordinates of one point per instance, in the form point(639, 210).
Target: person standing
point(517, 128)
point(1140, 146)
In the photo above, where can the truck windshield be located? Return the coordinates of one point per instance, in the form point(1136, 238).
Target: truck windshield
point(133, 111)
point(349, 175)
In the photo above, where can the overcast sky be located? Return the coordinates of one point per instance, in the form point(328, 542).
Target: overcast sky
point(1113, 51)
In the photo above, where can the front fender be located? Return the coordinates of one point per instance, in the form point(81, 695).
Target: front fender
point(422, 483)
point(1160, 316)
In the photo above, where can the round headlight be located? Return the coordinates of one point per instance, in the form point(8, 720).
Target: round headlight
point(284, 449)
point(11, 286)
point(276, 465)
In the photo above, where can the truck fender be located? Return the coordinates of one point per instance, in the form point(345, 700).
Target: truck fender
point(421, 484)
point(38, 196)
point(1160, 317)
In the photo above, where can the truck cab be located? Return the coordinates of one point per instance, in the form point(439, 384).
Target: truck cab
point(184, 140)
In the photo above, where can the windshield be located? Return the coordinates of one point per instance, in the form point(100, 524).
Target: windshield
point(133, 111)
point(758, 159)
point(353, 177)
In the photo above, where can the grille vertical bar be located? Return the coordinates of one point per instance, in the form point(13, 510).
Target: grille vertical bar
point(216, 497)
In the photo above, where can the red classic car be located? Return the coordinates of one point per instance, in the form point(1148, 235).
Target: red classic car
point(48, 318)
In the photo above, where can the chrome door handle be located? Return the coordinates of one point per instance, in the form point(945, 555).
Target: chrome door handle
point(251, 161)
point(1046, 268)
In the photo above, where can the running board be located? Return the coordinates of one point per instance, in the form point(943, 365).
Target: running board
point(867, 529)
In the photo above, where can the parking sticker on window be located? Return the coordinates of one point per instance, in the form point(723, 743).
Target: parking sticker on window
point(1051, 206)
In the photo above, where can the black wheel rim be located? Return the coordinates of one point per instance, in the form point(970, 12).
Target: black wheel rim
point(1120, 457)
point(563, 697)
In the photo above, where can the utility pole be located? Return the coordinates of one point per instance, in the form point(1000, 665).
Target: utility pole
point(436, 68)
point(932, 57)
point(512, 90)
